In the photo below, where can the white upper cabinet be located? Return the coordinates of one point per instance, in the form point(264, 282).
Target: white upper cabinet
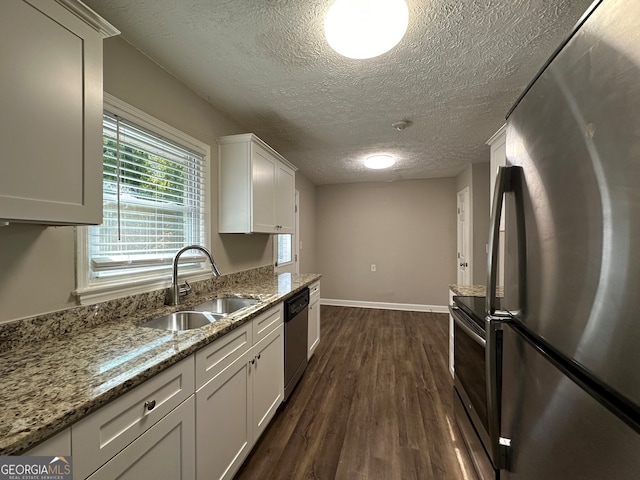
point(51, 111)
point(256, 187)
point(285, 199)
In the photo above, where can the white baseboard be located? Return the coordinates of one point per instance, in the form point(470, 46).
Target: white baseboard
point(410, 307)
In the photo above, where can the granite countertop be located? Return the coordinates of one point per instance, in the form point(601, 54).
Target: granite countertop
point(51, 384)
point(473, 290)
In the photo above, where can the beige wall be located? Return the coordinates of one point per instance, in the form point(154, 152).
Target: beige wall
point(37, 264)
point(406, 228)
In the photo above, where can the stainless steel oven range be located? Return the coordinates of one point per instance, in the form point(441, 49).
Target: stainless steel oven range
point(470, 382)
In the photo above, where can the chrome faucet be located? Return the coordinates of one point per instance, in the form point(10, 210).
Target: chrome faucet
point(174, 292)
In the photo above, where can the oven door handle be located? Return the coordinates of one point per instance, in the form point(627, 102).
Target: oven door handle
point(465, 326)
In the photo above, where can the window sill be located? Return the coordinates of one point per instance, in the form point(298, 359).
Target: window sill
point(114, 290)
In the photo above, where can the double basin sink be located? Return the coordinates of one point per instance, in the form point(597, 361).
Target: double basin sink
point(204, 314)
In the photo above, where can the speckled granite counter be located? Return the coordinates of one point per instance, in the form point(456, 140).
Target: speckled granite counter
point(473, 290)
point(50, 384)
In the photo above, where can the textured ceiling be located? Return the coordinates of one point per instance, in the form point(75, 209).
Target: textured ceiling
point(267, 65)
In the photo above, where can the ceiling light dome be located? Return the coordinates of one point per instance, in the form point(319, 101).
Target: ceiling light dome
point(379, 162)
point(366, 28)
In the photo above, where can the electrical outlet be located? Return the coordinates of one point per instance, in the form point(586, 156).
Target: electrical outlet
point(373, 267)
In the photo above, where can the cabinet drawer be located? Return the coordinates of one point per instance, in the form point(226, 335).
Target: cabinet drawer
point(166, 450)
point(101, 435)
point(266, 322)
point(214, 358)
point(314, 292)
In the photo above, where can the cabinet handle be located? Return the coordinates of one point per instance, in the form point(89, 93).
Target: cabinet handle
point(150, 405)
point(252, 361)
point(258, 357)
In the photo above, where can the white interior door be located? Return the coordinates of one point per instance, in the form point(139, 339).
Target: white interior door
point(286, 248)
point(464, 238)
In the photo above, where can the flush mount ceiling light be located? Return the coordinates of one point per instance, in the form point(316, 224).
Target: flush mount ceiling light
point(378, 162)
point(366, 28)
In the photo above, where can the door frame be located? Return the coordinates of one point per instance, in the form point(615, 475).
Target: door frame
point(464, 275)
point(294, 265)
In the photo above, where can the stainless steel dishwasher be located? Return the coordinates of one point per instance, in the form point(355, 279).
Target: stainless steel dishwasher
point(296, 325)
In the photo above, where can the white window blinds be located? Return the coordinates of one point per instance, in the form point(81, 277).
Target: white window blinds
point(153, 201)
point(284, 249)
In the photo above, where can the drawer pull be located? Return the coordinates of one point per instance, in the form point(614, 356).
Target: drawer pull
point(150, 405)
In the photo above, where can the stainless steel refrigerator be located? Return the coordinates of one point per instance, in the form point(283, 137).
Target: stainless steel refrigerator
point(563, 354)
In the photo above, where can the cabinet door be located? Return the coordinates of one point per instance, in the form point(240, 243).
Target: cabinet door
point(267, 374)
point(313, 339)
point(313, 332)
point(166, 450)
point(264, 170)
point(223, 433)
point(51, 97)
point(285, 200)
point(451, 337)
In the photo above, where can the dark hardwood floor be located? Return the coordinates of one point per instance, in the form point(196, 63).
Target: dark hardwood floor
point(374, 403)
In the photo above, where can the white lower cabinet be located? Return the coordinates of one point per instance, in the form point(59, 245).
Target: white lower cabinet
point(166, 450)
point(240, 385)
point(313, 333)
point(161, 429)
point(451, 337)
point(97, 438)
point(223, 413)
point(267, 377)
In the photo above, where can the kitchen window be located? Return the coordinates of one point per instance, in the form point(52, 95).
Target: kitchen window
point(155, 190)
point(285, 255)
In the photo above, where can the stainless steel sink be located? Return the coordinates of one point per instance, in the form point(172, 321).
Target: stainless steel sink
point(225, 305)
point(185, 320)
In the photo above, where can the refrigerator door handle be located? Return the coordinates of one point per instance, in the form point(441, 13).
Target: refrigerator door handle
point(503, 184)
point(509, 179)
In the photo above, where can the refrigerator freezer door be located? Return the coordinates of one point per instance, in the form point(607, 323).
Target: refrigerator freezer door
point(557, 430)
point(576, 135)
